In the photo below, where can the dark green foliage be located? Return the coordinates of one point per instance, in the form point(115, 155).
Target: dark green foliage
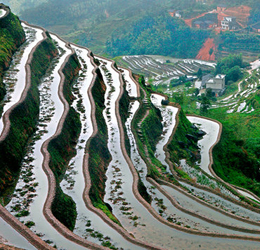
point(152, 128)
point(231, 67)
point(181, 146)
point(99, 156)
point(103, 17)
point(234, 74)
point(143, 192)
point(123, 111)
point(62, 149)
point(160, 34)
point(238, 163)
point(199, 73)
point(70, 71)
point(229, 62)
point(144, 138)
point(205, 102)
point(11, 37)
point(23, 120)
point(255, 12)
point(64, 209)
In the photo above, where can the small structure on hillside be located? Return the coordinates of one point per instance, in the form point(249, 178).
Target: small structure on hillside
point(229, 23)
point(175, 13)
point(216, 84)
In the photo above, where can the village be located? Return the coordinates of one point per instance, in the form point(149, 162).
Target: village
point(220, 19)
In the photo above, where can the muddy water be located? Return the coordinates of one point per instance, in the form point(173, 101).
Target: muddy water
point(177, 215)
point(198, 208)
point(247, 195)
point(218, 201)
point(168, 126)
point(19, 73)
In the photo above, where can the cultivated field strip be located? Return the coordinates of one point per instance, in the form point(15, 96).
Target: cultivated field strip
point(162, 70)
point(175, 219)
point(15, 79)
point(241, 102)
point(74, 183)
point(168, 125)
point(161, 202)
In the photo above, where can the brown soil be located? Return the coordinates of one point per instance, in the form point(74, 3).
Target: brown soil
point(204, 53)
point(6, 247)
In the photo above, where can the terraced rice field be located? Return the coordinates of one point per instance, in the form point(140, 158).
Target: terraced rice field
point(163, 69)
point(179, 216)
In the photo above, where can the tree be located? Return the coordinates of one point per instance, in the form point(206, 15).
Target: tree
point(199, 73)
point(233, 74)
point(209, 93)
point(205, 104)
point(183, 78)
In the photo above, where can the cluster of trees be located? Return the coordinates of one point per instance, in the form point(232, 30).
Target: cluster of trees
point(231, 67)
point(160, 34)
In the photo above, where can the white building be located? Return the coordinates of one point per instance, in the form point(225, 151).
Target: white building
point(217, 84)
point(229, 23)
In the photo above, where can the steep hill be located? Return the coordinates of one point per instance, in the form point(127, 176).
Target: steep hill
point(93, 158)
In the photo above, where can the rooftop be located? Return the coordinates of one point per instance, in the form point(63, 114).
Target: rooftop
point(220, 76)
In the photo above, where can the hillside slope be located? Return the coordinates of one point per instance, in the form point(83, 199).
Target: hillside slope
point(92, 158)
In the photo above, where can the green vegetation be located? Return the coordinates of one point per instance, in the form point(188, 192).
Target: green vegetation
point(235, 43)
point(11, 37)
point(64, 209)
point(62, 149)
point(148, 133)
point(75, 19)
point(159, 34)
point(123, 111)
point(238, 163)
point(99, 156)
point(23, 121)
point(184, 142)
point(231, 67)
